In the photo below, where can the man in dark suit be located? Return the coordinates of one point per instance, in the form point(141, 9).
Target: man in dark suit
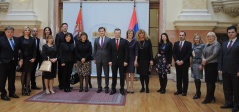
point(38, 56)
point(60, 37)
point(118, 60)
point(181, 54)
point(9, 50)
point(229, 67)
point(101, 58)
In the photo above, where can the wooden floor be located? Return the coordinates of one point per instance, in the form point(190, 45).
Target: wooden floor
point(137, 102)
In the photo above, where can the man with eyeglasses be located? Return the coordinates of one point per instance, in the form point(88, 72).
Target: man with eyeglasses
point(37, 60)
point(9, 50)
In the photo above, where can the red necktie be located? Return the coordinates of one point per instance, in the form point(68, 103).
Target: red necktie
point(230, 45)
point(180, 46)
point(117, 43)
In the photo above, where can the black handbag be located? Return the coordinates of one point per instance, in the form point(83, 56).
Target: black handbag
point(74, 78)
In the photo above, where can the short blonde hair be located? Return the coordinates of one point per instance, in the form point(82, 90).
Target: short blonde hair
point(50, 37)
point(146, 37)
point(200, 38)
point(212, 34)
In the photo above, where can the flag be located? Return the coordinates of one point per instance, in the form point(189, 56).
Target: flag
point(133, 25)
point(79, 23)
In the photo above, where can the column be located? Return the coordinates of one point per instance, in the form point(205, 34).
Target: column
point(194, 10)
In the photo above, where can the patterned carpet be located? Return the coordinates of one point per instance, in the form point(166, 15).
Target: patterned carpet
point(76, 97)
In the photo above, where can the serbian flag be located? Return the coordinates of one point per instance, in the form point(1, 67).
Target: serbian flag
point(133, 25)
point(79, 23)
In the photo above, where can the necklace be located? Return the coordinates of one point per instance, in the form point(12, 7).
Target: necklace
point(141, 46)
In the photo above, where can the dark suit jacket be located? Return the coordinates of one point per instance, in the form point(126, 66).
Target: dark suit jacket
point(229, 59)
point(38, 56)
point(6, 52)
point(184, 54)
point(30, 51)
point(66, 52)
point(167, 52)
point(102, 53)
point(60, 37)
point(120, 55)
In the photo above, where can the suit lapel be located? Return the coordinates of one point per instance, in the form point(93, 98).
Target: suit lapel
point(8, 44)
point(234, 44)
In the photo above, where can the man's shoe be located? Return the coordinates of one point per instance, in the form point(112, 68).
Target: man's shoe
point(5, 98)
point(112, 92)
point(106, 90)
point(13, 95)
point(35, 88)
point(99, 90)
point(226, 106)
point(184, 94)
point(177, 93)
point(235, 109)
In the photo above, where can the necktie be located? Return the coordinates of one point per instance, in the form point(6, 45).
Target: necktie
point(12, 44)
point(180, 46)
point(102, 42)
point(36, 42)
point(230, 45)
point(117, 43)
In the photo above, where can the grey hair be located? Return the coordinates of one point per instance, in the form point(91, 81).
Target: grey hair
point(9, 28)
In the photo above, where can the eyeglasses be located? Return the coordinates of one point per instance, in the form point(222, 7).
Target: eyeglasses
point(34, 31)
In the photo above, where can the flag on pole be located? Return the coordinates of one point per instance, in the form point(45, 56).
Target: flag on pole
point(133, 25)
point(79, 23)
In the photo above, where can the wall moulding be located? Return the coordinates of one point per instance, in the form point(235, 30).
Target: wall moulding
point(202, 25)
point(230, 7)
point(4, 6)
point(19, 24)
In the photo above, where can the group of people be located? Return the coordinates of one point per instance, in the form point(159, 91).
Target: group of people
point(123, 54)
point(212, 57)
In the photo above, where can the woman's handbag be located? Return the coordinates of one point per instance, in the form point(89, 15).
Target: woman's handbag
point(46, 66)
point(74, 76)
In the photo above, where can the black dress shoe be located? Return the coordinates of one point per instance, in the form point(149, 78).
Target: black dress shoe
point(5, 98)
point(162, 91)
point(226, 106)
point(177, 93)
point(142, 90)
point(209, 101)
point(35, 88)
point(13, 95)
point(236, 109)
point(184, 94)
point(81, 90)
point(65, 90)
point(122, 91)
point(90, 85)
point(106, 90)
point(99, 90)
point(112, 92)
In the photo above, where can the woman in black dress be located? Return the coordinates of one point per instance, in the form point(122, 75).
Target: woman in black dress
point(133, 55)
point(28, 55)
point(163, 61)
point(145, 58)
point(49, 51)
point(83, 52)
point(66, 55)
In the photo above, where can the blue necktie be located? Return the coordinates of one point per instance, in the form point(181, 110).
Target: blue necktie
point(12, 44)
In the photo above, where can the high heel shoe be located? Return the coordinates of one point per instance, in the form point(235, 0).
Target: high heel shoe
point(27, 92)
point(147, 90)
point(52, 92)
point(47, 91)
point(197, 95)
point(209, 101)
point(23, 92)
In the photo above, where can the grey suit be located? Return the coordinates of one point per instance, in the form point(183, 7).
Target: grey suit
point(101, 56)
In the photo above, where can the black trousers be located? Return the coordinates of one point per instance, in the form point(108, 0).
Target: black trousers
point(115, 67)
point(231, 89)
point(7, 71)
point(33, 73)
point(182, 78)
point(163, 80)
point(105, 66)
point(66, 74)
point(59, 72)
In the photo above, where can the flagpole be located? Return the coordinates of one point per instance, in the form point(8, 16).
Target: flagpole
point(134, 4)
point(80, 3)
